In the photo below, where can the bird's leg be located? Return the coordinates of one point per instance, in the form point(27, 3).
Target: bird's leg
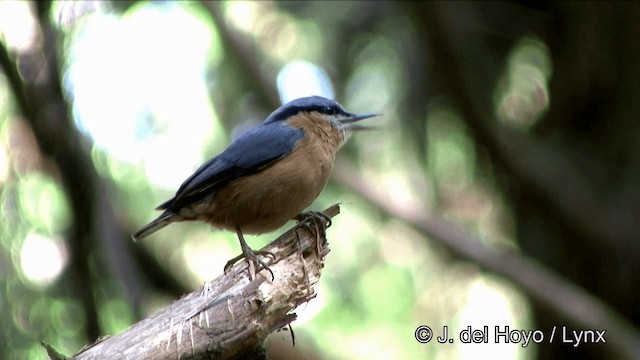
point(250, 256)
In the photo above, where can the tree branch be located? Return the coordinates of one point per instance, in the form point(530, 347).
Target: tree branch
point(246, 55)
point(557, 293)
point(231, 316)
point(546, 171)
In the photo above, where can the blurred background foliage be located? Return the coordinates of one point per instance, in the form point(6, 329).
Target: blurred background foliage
point(516, 120)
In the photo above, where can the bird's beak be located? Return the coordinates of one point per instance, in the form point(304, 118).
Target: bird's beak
point(348, 123)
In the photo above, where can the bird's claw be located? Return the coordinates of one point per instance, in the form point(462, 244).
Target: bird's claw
point(318, 219)
point(315, 217)
point(255, 263)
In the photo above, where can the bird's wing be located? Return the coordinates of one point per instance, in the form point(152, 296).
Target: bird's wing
point(254, 150)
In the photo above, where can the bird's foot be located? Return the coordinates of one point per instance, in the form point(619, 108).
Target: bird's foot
point(318, 219)
point(314, 216)
point(255, 263)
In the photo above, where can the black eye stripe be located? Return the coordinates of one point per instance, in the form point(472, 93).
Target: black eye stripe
point(330, 110)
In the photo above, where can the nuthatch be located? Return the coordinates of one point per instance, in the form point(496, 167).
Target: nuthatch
point(265, 177)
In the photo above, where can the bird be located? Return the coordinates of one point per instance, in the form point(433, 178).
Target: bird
point(265, 177)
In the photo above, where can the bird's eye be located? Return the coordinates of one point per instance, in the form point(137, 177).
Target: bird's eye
point(330, 110)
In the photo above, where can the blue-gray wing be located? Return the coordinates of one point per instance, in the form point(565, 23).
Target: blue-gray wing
point(254, 150)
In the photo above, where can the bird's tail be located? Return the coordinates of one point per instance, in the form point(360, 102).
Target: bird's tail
point(163, 220)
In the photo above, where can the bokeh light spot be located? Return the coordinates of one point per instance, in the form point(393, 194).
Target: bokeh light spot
point(43, 203)
point(42, 259)
point(302, 78)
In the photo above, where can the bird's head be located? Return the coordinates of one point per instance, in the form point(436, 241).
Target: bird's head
point(323, 109)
